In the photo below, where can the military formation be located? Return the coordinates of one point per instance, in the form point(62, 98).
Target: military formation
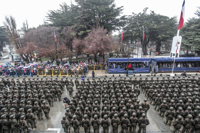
point(101, 104)
point(177, 100)
point(24, 102)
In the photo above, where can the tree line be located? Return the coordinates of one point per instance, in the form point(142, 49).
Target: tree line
point(87, 26)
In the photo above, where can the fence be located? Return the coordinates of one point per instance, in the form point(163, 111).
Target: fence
point(96, 67)
point(60, 72)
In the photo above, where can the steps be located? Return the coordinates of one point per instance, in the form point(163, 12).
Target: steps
point(130, 72)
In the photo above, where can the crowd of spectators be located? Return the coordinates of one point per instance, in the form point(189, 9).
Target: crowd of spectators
point(21, 69)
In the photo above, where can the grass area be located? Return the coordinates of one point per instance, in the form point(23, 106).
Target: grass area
point(45, 59)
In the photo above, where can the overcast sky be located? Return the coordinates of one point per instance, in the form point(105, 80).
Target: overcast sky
point(35, 10)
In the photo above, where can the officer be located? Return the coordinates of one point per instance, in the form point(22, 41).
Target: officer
point(105, 124)
point(77, 82)
point(49, 98)
point(95, 123)
point(59, 93)
point(46, 109)
point(133, 121)
point(178, 123)
point(145, 106)
point(30, 118)
point(115, 123)
point(143, 122)
point(86, 124)
point(70, 89)
point(23, 124)
point(65, 124)
point(125, 123)
point(75, 124)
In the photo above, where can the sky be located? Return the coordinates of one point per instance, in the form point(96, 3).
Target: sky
point(35, 11)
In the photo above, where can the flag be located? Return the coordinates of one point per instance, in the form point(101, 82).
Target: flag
point(143, 34)
point(177, 47)
point(122, 35)
point(55, 37)
point(181, 21)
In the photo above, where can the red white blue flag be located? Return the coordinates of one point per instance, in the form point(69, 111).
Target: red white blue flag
point(181, 21)
point(55, 37)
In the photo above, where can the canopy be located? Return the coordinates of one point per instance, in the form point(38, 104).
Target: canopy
point(130, 59)
point(181, 59)
point(66, 64)
point(7, 62)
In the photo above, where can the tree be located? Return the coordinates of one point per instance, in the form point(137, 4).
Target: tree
point(27, 51)
point(3, 37)
point(63, 17)
point(158, 28)
point(95, 13)
point(134, 29)
point(162, 28)
point(11, 30)
point(191, 35)
point(99, 42)
point(198, 12)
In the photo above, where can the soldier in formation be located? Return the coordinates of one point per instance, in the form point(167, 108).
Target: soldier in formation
point(24, 102)
point(107, 103)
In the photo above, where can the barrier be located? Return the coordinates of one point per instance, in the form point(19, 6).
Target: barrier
point(41, 72)
point(97, 67)
point(48, 72)
point(90, 67)
point(63, 72)
point(55, 72)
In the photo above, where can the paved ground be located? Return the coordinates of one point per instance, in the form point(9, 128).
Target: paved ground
point(57, 112)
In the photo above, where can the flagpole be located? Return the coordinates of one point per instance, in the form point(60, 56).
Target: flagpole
point(175, 55)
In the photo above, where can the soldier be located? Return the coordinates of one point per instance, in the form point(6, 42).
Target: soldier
point(75, 124)
point(143, 122)
point(4, 123)
point(95, 123)
point(188, 125)
point(178, 123)
point(145, 106)
point(23, 124)
point(133, 121)
point(77, 82)
point(163, 107)
point(65, 124)
point(37, 111)
point(105, 124)
point(46, 109)
point(125, 123)
point(78, 114)
point(70, 89)
point(49, 98)
point(197, 123)
point(86, 124)
point(96, 112)
point(68, 115)
point(115, 123)
point(14, 124)
point(170, 114)
point(30, 118)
